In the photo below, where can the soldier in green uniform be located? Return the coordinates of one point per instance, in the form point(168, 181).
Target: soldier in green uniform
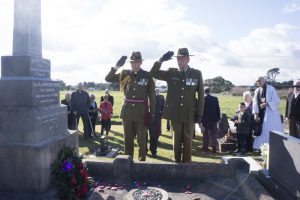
point(138, 88)
point(185, 101)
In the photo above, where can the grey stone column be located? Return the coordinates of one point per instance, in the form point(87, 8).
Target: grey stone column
point(27, 28)
point(33, 124)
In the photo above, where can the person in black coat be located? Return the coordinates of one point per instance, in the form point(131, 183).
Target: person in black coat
point(155, 127)
point(211, 116)
point(292, 112)
point(93, 115)
point(249, 107)
point(242, 122)
point(79, 104)
point(71, 117)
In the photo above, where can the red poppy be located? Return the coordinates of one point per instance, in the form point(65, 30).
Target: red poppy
point(81, 191)
point(83, 173)
point(84, 189)
point(73, 181)
point(80, 165)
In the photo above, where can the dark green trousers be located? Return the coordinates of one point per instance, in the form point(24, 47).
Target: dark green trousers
point(132, 129)
point(182, 140)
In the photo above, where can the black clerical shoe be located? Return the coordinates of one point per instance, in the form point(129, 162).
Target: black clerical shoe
point(214, 150)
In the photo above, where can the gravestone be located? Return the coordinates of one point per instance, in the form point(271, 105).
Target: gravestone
point(284, 162)
point(33, 124)
point(225, 144)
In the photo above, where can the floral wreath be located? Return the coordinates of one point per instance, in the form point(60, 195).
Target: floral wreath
point(70, 175)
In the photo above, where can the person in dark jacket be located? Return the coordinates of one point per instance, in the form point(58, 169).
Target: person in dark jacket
point(93, 115)
point(242, 122)
point(79, 104)
point(249, 107)
point(211, 116)
point(155, 127)
point(71, 118)
point(292, 112)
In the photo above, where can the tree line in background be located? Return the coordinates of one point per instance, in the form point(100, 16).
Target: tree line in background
point(217, 85)
point(283, 88)
point(87, 85)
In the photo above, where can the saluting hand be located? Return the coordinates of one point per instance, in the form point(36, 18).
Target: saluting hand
point(167, 56)
point(121, 61)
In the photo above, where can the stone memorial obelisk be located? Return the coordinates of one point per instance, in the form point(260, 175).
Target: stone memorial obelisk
point(33, 124)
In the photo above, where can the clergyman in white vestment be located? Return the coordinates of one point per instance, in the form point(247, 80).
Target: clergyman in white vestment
point(265, 108)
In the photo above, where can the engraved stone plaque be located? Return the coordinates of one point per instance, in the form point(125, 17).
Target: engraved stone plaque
point(25, 66)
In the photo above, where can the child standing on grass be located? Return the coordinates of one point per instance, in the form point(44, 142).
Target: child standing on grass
point(105, 111)
point(242, 122)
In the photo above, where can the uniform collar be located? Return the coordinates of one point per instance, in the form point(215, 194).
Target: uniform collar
point(137, 72)
point(79, 91)
point(185, 70)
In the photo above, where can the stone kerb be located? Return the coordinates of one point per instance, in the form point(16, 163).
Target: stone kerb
point(185, 171)
point(124, 168)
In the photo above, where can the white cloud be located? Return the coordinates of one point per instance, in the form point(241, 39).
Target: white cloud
point(291, 7)
point(84, 38)
point(88, 35)
point(267, 48)
point(6, 19)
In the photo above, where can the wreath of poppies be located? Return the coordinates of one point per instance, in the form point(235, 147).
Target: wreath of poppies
point(70, 175)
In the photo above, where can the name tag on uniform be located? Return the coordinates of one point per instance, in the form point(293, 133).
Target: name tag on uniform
point(191, 81)
point(175, 78)
point(143, 81)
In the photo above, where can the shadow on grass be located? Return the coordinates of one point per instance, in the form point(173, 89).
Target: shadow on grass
point(113, 122)
point(160, 158)
point(116, 123)
point(166, 136)
point(91, 143)
point(115, 142)
point(118, 134)
point(164, 145)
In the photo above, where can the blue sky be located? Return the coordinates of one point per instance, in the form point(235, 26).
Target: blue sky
point(232, 18)
point(236, 39)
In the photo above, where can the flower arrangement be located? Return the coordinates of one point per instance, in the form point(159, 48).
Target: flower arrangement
point(264, 148)
point(70, 175)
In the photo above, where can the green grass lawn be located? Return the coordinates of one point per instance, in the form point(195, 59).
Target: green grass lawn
point(228, 105)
